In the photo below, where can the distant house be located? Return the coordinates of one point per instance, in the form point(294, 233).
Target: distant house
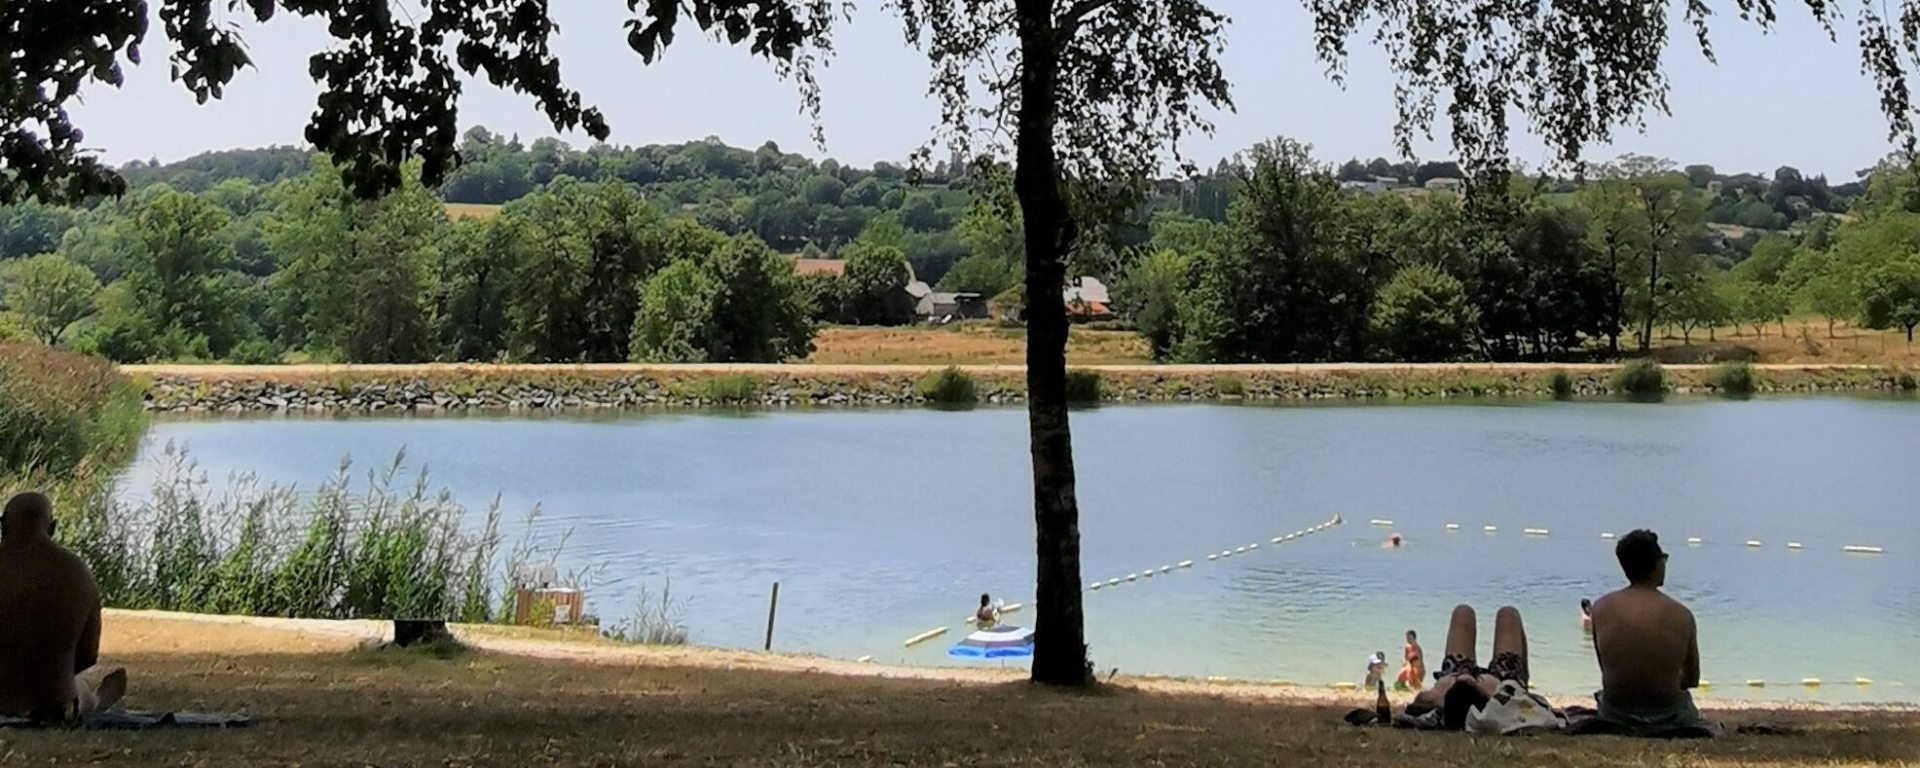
point(805, 267)
point(1444, 184)
point(1363, 187)
point(944, 307)
point(1088, 297)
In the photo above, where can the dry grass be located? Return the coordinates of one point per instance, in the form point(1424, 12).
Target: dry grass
point(483, 211)
point(1805, 342)
point(318, 703)
point(966, 344)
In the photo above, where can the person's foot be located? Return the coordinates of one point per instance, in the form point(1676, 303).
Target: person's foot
point(113, 686)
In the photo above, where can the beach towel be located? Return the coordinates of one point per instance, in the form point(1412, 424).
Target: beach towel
point(1514, 709)
point(133, 720)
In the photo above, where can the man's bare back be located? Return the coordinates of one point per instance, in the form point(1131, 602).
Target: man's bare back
point(1648, 647)
point(49, 616)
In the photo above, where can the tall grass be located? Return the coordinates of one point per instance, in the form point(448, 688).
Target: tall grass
point(949, 386)
point(1561, 383)
point(1083, 386)
point(385, 548)
point(1735, 379)
point(1907, 382)
point(655, 620)
point(1640, 378)
point(732, 390)
point(62, 413)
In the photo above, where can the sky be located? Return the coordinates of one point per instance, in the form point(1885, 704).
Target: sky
point(1789, 97)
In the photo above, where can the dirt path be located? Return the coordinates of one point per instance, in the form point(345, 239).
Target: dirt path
point(804, 369)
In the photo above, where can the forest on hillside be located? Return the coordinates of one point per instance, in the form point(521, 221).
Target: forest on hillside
point(680, 252)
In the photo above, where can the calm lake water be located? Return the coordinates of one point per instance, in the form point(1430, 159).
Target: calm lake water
point(881, 524)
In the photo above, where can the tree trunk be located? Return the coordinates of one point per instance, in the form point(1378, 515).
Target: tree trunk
point(1653, 302)
point(1829, 327)
point(1059, 631)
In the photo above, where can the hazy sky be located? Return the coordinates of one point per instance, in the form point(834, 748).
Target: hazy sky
point(1789, 98)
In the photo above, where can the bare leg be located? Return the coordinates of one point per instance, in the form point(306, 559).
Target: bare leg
point(1462, 634)
point(1510, 642)
point(100, 688)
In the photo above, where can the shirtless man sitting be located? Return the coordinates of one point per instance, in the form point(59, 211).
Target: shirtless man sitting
point(49, 622)
point(1647, 644)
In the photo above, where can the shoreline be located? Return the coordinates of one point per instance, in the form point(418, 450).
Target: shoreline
point(426, 388)
point(579, 647)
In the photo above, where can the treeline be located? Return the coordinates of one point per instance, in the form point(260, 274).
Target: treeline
point(1301, 272)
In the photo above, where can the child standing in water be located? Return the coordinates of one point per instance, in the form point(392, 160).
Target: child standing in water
point(1413, 671)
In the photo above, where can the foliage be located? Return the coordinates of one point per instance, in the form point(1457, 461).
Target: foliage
point(1561, 384)
point(178, 296)
point(393, 549)
point(1422, 315)
point(1891, 296)
point(760, 313)
point(675, 323)
point(1639, 377)
point(874, 289)
point(1734, 379)
point(732, 390)
point(49, 292)
point(1083, 386)
point(64, 414)
point(981, 274)
point(949, 386)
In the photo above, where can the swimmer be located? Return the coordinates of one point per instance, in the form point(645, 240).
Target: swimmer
point(1586, 614)
point(1393, 542)
point(988, 616)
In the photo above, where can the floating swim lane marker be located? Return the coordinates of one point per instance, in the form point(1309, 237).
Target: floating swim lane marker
point(1693, 541)
point(1186, 563)
point(1861, 681)
point(1255, 545)
point(1240, 550)
point(1607, 536)
point(1277, 540)
point(864, 660)
point(1859, 550)
point(1753, 543)
point(1453, 526)
point(1756, 683)
point(925, 636)
point(1491, 529)
point(1113, 582)
point(1378, 521)
point(1095, 586)
point(1793, 545)
point(1705, 684)
point(1166, 569)
point(1534, 531)
point(1133, 577)
point(1344, 685)
point(1147, 574)
point(1211, 557)
point(1811, 682)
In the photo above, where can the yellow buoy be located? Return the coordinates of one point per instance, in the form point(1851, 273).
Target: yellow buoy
point(1345, 686)
point(1706, 684)
point(1217, 680)
point(1756, 683)
point(925, 636)
point(1862, 681)
point(1811, 682)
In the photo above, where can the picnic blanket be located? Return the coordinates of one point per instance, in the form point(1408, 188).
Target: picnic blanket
point(134, 720)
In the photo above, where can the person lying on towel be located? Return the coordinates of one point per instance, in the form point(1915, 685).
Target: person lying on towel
point(49, 623)
point(1647, 644)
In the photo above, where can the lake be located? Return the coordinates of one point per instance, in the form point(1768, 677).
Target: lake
point(881, 524)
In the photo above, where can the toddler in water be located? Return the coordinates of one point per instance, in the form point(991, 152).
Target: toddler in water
point(1376, 670)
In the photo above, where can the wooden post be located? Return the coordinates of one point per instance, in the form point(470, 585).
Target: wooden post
point(773, 606)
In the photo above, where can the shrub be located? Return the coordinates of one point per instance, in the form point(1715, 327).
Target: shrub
point(1561, 383)
point(255, 352)
point(1230, 386)
point(654, 621)
point(950, 386)
point(1734, 379)
point(392, 549)
point(1907, 382)
point(1083, 386)
point(61, 412)
point(1639, 378)
point(732, 390)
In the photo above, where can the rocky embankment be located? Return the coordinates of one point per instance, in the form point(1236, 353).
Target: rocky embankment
point(429, 389)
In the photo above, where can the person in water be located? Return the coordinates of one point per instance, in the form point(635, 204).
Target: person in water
point(988, 616)
point(1647, 644)
point(1586, 615)
point(1393, 542)
point(1462, 684)
point(1413, 669)
point(1376, 670)
point(49, 622)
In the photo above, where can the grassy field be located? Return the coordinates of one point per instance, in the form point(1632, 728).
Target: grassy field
point(317, 701)
point(457, 211)
point(965, 344)
point(1804, 342)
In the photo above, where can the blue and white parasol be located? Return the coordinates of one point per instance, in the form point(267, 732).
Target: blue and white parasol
point(1001, 642)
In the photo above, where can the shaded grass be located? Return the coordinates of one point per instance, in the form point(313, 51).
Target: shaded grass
point(479, 710)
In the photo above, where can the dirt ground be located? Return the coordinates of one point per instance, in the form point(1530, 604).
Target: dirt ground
point(318, 699)
point(966, 344)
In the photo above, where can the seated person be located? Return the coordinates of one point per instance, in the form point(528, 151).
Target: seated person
point(49, 622)
point(1647, 645)
point(988, 616)
point(1461, 684)
point(1376, 670)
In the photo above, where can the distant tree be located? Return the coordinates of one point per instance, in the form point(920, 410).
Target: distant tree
point(759, 310)
point(823, 189)
point(1149, 294)
point(1823, 285)
point(1699, 302)
point(867, 192)
point(1768, 261)
point(49, 293)
point(1890, 295)
point(478, 260)
point(1699, 176)
point(178, 294)
point(675, 322)
point(1422, 315)
point(874, 288)
point(29, 228)
point(981, 273)
point(921, 213)
point(1760, 303)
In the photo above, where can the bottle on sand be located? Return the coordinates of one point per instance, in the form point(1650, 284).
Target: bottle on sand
point(1382, 709)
